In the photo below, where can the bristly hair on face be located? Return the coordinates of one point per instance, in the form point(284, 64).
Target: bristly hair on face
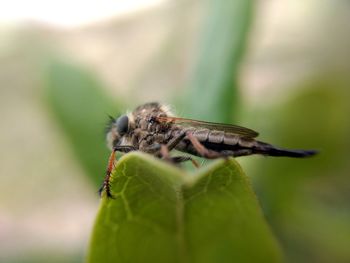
point(109, 124)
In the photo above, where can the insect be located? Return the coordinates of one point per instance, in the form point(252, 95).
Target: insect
point(153, 129)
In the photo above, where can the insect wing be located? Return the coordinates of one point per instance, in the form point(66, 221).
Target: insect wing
point(229, 128)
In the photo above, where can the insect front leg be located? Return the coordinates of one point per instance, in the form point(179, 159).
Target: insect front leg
point(106, 182)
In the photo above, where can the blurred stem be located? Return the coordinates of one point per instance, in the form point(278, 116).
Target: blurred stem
point(213, 93)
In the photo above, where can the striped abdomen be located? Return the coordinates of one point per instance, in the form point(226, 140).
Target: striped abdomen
point(230, 144)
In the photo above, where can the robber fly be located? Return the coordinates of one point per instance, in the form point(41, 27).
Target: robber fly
point(153, 129)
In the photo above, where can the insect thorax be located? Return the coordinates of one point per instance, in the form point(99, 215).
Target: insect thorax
point(145, 121)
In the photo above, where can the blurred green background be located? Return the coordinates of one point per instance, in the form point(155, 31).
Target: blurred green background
point(281, 68)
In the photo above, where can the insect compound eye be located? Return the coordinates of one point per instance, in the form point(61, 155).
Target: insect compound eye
point(122, 125)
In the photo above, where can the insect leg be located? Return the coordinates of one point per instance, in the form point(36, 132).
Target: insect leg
point(204, 152)
point(180, 159)
point(175, 141)
point(152, 149)
point(164, 153)
point(110, 166)
point(106, 182)
point(161, 150)
point(165, 149)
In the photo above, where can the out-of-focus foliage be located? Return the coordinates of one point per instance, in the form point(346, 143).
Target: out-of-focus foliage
point(212, 92)
point(163, 214)
point(81, 107)
point(304, 200)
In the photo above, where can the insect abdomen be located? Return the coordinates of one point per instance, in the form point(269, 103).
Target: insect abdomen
point(270, 150)
point(222, 141)
point(212, 136)
point(231, 144)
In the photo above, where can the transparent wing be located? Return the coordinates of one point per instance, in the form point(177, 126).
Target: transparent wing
point(229, 128)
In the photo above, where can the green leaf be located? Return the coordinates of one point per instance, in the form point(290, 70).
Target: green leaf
point(162, 214)
point(213, 93)
point(81, 107)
